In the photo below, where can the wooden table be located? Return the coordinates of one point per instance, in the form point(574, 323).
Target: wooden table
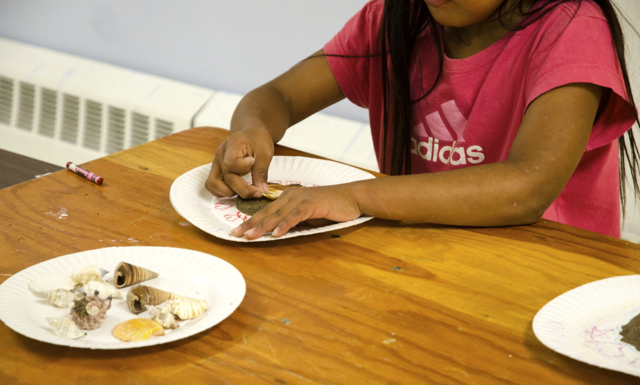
point(383, 302)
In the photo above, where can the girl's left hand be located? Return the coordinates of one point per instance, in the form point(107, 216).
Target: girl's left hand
point(335, 203)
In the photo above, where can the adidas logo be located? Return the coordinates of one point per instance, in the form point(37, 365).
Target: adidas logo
point(432, 150)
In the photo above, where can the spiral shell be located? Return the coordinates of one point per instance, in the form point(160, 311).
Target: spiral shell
point(139, 297)
point(127, 274)
point(163, 316)
point(137, 329)
point(101, 289)
point(89, 273)
point(60, 297)
point(64, 327)
point(187, 308)
point(90, 311)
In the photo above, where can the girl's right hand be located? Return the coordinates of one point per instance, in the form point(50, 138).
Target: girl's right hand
point(243, 152)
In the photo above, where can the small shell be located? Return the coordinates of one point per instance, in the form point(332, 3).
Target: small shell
point(187, 308)
point(89, 273)
point(139, 297)
point(127, 275)
point(137, 329)
point(64, 327)
point(45, 283)
point(275, 190)
point(163, 316)
point(60, 297)
point(89, 312)
point(101, 289)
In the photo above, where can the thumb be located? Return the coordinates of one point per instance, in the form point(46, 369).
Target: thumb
point(260, 172)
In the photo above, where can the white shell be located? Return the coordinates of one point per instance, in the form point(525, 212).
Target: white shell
point(89, 273)
point(64, 327)
point(187, 308)
point(60, 297)
point(163, 316)
point(42, 284)
point(104, 290)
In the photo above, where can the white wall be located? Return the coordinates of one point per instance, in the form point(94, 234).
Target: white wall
point(228, 45)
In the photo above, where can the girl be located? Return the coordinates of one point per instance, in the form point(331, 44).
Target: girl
point(486, 113)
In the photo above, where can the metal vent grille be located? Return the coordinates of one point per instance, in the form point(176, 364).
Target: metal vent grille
point(139, 129)
point(115, 130)
point(48, 111)
point(26, 106)
point(92, 125)
point(6, 99)
point(163, 128)
point(70, 118)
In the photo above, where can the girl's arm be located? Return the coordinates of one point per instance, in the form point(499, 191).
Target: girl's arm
point(548, 147)
point(261, 119)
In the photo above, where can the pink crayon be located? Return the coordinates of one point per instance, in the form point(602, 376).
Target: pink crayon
point(85, 173)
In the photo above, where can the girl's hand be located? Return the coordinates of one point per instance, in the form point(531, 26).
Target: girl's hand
point(247, 151)
point(335, 203)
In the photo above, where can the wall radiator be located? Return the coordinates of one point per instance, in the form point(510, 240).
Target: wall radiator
point(58, 108)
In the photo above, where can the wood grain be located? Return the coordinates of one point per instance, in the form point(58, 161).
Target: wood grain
point(381, 303)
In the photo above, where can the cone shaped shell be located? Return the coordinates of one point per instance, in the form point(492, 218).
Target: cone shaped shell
point(127, 274)
point(139, 297)
point(137, 329)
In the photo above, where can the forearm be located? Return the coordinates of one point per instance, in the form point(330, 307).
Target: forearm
point(496, 194)
point(265, 107)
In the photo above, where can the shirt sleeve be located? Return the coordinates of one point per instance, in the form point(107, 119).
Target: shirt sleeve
point(350, 52)
point(578, 48)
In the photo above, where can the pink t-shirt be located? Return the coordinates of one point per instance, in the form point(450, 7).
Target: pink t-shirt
point(473, 114)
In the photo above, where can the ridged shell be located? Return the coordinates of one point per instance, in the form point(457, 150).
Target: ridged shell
point(137, 329)
point(103, 289)
point(163, 316)
point(45, 283)
point(127, 274)
point(275, 190)
point(60, 297)
point(64, 327)
point(139, 297)
point(187, 308)
point(89, 312)
point(88, 274)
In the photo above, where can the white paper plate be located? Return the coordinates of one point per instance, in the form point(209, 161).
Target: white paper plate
point(584, 323)
point(184, 272)
point(218, 216)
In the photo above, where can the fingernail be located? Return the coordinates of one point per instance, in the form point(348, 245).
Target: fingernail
point(276, 232)
point(257, 194)
point(236, 232)
point(249, 233)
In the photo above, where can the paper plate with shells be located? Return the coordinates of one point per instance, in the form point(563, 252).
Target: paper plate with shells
point(201, 288)
point(218, 216)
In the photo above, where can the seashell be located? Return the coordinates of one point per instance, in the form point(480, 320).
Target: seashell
point(101, 289)
point(60, 297)
point(275, 190)
point(187, 308)
point(127, 275)
point(89, 273)
point(163, 316)
point(64, 327)
point(139, 297)
point(90, 311)
point(137, 329)
point(45, 283)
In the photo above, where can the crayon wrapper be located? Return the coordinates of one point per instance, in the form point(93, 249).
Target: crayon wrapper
point(85, 174)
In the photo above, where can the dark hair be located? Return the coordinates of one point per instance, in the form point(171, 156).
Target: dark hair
point(404, 20)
